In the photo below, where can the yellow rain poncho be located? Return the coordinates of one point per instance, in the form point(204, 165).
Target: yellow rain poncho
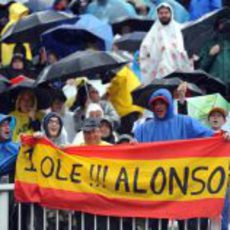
point(16, 12)
point(120, 92)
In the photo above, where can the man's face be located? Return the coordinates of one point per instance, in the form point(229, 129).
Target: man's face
point(216, 120)
point(94, 95)
point(57, 106)
point(160, 108)
point(92, 137)
point(164, 16)
point(5, 130)
point(26, 103)
point(53, 127)
point(18, 64)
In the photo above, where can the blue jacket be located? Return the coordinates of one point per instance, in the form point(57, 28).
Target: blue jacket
point(172, 126)
point(8, 150)
point(198, 8)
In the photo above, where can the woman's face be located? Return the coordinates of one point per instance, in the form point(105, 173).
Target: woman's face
point(105, 129)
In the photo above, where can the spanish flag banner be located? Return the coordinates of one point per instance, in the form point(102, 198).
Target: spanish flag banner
point(175, 180)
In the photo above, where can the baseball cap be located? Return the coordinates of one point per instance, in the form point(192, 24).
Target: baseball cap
point(159, 98)
point(91, 124)
point(218, 110)
point(124, 138)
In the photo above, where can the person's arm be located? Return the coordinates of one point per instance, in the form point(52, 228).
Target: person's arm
point(35, 125)
point(138, 133)
point(208, 56)
point(197, 130)
point(182, 103)
point(182, 107)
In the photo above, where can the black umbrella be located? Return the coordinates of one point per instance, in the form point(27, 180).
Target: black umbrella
point(82, 63)
point(203, 80)
point(142, 95)
point(197, 33)
point(19, 83)
point(134, 24)
point(31, 27)
point(4, 83)
point(130, 42)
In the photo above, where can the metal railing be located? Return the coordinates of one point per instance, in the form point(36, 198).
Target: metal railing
point(34, 217)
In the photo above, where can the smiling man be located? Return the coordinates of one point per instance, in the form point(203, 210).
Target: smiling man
point(92, 132)
point(166, 125)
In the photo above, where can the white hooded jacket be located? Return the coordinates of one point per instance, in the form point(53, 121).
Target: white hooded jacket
point(162, 50)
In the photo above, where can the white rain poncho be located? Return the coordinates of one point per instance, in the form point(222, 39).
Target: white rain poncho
point(162, 51)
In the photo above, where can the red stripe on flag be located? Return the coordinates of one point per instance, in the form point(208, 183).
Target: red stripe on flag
point(99, 205)
point(205, 147)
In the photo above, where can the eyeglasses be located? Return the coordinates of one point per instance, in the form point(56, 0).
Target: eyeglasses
point(54, 121)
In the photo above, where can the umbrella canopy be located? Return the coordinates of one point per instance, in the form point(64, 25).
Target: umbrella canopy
point(142, 95)
point(201, 79)
point(197, 33)
point(30, 28)
point(199, 107)
point(15, 85)
point(4, 84)
point(132, 24)
point(66, 39)
point(82, 63)
point(111, 10)
point(130, 42)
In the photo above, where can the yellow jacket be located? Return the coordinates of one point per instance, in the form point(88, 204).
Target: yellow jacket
point(120, 92)
point(16, 12)
point(22, 123)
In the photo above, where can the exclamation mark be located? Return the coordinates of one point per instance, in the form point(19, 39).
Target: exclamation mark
point(98, 175)
point(105, 171)
point(91, 174)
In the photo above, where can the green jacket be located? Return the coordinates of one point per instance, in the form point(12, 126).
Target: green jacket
point(219, 65)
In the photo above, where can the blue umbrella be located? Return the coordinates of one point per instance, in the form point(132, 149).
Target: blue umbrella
point(8, 150)
point(40, 5)
point(111, 10)
point(66, 39)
